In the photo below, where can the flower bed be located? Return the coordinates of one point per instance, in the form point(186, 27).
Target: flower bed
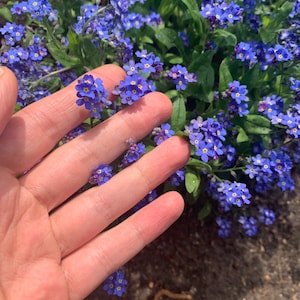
point(231, 70)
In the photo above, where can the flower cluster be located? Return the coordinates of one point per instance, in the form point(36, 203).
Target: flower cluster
point(77, 131)
point(101, 174)
point(92, 94)
point(146, 200)
point(249, 224)
point(207, 137)
point(115, 284)
point(238, 99)
point(135, 151)
point(180, 76)
point(224, 227)
point(266, 55)
point(221, 13)
point(136, 83)
point(37, 9)
point(234, 193)
point(270, 167)
point(177, 178)
point(162, 133)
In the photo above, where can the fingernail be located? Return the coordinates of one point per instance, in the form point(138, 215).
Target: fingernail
point(1, 70)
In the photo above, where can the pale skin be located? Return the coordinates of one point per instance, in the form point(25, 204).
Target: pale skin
point(54, 251)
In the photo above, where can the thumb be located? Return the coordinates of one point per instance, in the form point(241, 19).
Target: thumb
point(8, 96)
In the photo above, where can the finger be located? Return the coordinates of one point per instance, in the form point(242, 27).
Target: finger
point(8, 96)
point(68, 168)
point(34, 131)
point(99, 207)
point(99, 258)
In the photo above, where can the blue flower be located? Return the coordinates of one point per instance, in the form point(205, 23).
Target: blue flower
point(205, 150)
point(207, 137)
point(273, 167)
point(224, 227)
point(101, 174)
point(80, 129)
point(133, 20)
point(12, 33)
point(131, 67)
point(245, 52)
point(146, 200)
point(266, 216)
point(295, 85)
point(133, 88)
point(146, 65)
point(135, 151)
point(162, 133)
point(220, 13)
point(92, 94)
point(236, 193)
point(184, 38)
point(238, 92)
point(116, 284)
point(177, 178)
point(277, 53)
point(249, 225)
point(180, 76)
point(271, 106)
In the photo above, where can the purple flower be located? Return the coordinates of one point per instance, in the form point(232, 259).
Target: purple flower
point(135, 151)
point(180, 76)
point(101, 174)
point(162, 133)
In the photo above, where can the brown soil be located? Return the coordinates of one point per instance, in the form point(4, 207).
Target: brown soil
point(189, 261)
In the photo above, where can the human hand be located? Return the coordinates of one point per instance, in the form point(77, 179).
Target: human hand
point(51, 250)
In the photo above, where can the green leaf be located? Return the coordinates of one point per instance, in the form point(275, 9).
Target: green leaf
point(272, 25)
point(256, 124)
point(73, 40)
point(206, 77)
point(178, 117)
point(60, 55)
point(242, 136)
point(166, 36)
point(90, 54)
point(192, 181)
point(199, 164)
point(252, 78)
point(200, 23)
point(258, 120)
point(224, 38)
point(6, 14)
point(224, 75)
point(205, 210)
point(173, 59)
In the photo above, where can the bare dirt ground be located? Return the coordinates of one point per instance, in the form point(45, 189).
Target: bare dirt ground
point(189, 261)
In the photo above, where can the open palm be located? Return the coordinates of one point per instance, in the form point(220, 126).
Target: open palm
point(53, 249)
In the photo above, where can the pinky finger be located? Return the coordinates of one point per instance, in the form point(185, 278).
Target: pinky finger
point(8, 96)
point(95, 261)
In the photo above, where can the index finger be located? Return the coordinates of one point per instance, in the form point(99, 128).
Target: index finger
point(34, 131)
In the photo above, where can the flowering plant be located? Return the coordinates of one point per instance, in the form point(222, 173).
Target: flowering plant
point(231, 69)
